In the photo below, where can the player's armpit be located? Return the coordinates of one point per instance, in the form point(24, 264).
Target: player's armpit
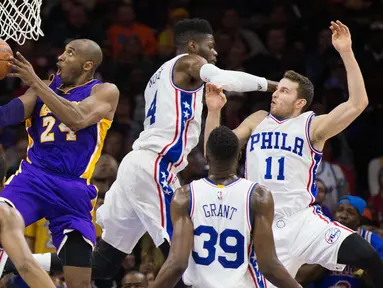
point(244, 130)
point(102, 103)
point(262, 206)
point(182, 241)
point(29, 100)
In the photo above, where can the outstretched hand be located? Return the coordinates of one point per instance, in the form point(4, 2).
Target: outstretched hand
point(341, 37)
point(215, 98)
point(22, 68)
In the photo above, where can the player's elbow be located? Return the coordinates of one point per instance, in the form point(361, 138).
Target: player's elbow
point(179, 266)
point(360, 106)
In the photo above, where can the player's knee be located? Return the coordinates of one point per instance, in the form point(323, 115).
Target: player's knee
point(106, 261)
point(76, 252)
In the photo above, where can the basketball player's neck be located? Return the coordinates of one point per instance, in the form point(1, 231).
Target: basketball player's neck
point(223, 179)
point(222, 175)
point(82, 79)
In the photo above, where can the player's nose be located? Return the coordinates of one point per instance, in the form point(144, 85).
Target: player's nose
point(61, 57)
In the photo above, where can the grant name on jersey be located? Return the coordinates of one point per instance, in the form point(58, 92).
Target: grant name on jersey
point(225, 211)
point(278, 141)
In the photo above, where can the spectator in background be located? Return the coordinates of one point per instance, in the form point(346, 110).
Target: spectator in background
point(374, 170)
point(126, 26)
point(377, 200)
point(333, 179)
point(76, 26)
point(348, 212)
point(134, 279)
point(231, 25)
point(321, 196)
point(165, 38)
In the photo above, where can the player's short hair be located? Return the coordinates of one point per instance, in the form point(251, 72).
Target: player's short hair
point(191, 29)
point(222, 146)
point(305, 88)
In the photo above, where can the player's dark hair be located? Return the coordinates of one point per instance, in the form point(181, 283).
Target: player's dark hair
point(222, 146)
point(191, 29)
point(305, 87)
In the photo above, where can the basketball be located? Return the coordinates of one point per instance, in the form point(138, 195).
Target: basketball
point(5, 52)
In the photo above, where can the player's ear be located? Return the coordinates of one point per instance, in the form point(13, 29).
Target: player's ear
point(88, 65)
point(300, 103)
point(192, 46)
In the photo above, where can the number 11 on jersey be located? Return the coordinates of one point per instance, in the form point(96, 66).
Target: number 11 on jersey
point(281, 168)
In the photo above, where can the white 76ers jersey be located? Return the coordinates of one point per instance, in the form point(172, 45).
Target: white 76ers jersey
point(173, 117)
point(223, 254)
point(280, 155)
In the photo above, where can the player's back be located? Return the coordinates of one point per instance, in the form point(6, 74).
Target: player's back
point(54, 147)
point(172, 124)
point(222, 236)
point(279, 155)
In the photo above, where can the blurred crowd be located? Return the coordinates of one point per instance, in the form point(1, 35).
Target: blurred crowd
point(264, 38)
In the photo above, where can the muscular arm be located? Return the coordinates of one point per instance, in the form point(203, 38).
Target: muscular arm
point(309, 273)
point(12, 239)
point(326, 126)
point(182, 241)
point(98, 105)
point(194, 67)
point(262, 206)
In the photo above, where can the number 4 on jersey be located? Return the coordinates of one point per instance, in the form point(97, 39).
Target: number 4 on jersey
point(152, 110)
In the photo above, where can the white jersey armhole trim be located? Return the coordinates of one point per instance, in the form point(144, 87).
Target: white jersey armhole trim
point(307, 132)
point(171, 77)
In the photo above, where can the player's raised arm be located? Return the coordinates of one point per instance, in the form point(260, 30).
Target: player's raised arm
point(262, 206)
point(215, 100)
point(326, 126)
point(182, 241)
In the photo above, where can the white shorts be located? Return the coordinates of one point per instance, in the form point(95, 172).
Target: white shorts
point(138, 201)
point(308, 237)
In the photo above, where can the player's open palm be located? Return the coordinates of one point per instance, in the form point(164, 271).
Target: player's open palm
point(341, 37)
point(215, 98)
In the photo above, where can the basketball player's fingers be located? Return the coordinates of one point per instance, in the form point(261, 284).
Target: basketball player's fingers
point(21, 57)
point(342, 27)
point(18, 63)
point(336, 26)
point(13, 67)
point(208, 87)
point(13, 75)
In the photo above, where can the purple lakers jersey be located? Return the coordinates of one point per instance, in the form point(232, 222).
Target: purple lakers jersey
point(57, 149)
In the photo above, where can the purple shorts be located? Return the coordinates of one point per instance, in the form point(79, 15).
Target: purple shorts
point(65, 202)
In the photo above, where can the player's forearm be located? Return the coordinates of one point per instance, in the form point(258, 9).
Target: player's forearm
point(357, 90)
point(168, 276)
point(35, 276)
point(63, 109)
point(235, 80)
point(12, 113)
point(213, 120)
point(278, 275)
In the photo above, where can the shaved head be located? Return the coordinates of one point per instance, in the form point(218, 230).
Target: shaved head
point(89, 50)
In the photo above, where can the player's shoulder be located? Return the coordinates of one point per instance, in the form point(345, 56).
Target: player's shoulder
point(261, 196)
point(189, 60)
point(106, 87)
point(256, 118)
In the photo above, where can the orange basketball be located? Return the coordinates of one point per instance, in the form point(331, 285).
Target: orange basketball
point(5, 52)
